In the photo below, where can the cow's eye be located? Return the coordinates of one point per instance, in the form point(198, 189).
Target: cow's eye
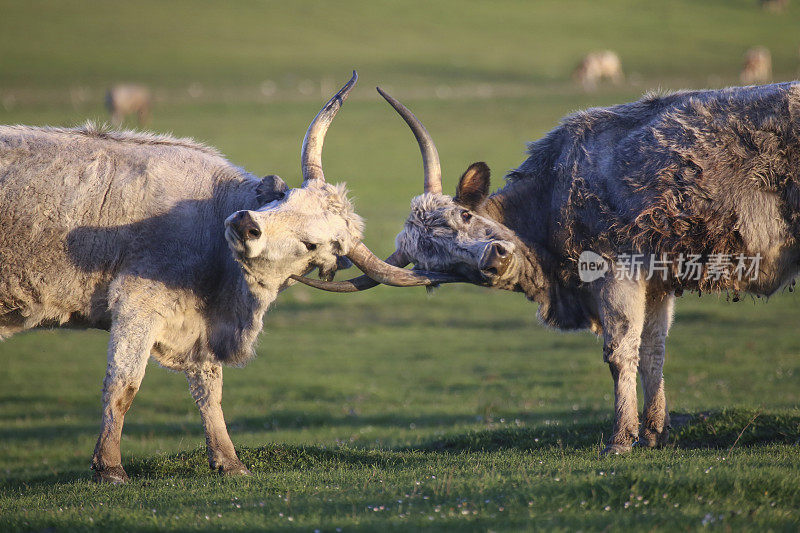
point(310, 246)
point(466, 216)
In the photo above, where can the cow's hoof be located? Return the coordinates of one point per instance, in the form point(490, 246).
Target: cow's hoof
point(616, 449)
point(111, 474)
point(652, 439)
point(234, 469)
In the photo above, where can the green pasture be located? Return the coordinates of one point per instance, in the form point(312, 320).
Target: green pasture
point(394, 408)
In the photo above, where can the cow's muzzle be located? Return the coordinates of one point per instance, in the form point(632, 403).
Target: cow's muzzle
point(496, 259)
point(244, 226)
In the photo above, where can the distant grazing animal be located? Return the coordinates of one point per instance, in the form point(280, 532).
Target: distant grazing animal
point(598, 66)
point(166, 244)
point(757, 66)
point(124, 100)
point(776, 6)
point(614, 213)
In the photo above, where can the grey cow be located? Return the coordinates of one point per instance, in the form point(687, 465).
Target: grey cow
point(700, 179)
point(163, 242)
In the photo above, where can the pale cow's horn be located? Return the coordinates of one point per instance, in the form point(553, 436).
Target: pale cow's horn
point(311, 153)
point(360, 283)
point(377, 271)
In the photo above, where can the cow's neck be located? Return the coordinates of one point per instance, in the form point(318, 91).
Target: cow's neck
point(508, 207)
point(236, 314)
point(236, 309)
point(522, 207)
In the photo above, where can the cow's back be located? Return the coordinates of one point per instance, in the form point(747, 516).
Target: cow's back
point(708, 172)
point(77, 206)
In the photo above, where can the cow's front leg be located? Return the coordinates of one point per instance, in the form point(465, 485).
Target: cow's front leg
point(132, 337)
point(622, 315)
point(205, 383)
point(658, 319)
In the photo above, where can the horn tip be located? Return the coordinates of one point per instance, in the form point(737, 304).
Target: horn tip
point(385, 95)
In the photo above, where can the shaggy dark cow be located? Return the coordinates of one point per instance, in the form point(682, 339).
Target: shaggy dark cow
point(615, 212)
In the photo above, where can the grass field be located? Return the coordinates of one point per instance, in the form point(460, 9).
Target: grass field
point(394, 409)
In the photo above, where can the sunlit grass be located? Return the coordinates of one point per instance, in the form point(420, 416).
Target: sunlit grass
point(394, 408)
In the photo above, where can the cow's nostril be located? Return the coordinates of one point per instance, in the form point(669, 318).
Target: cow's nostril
point(253, 233)
point(500, 250)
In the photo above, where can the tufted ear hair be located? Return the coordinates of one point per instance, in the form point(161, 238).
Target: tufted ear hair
point(473, 187)
point(271, 188)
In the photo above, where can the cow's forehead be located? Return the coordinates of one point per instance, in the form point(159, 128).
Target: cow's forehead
point(430, 210)
point(431, 202)
point(309, 200)
point(322, 207)
point(302, 198)
point(436, 217)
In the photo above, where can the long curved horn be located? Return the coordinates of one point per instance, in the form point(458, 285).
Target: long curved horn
point(430, 157)
point(360, 283)
point(378, 271)
point(311, 153)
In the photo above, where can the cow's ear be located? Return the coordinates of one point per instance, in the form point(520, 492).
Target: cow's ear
point(473, 187)
point(271, 188)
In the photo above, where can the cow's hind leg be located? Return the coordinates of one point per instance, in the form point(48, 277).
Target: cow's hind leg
point(132, 337)
point(205, 383)
point(654, 430)
point(622, 309)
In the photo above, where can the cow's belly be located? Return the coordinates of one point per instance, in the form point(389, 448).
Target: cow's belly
point(775, 271)
point(181, 343)
point(767, 237)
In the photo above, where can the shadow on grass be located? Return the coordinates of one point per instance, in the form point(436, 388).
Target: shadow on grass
point(706, 430)
point(275, 421)
point(280, 420)
point(713, 430)
point(272, 458)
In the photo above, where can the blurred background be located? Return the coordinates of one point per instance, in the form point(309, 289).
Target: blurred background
point(485, 78)
point(388, 366)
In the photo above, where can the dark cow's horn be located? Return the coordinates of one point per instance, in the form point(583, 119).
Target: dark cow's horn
point(430, 157)
point(389, 272)
point(311, 153)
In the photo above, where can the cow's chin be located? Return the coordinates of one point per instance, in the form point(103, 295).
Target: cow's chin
point(237, 247)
